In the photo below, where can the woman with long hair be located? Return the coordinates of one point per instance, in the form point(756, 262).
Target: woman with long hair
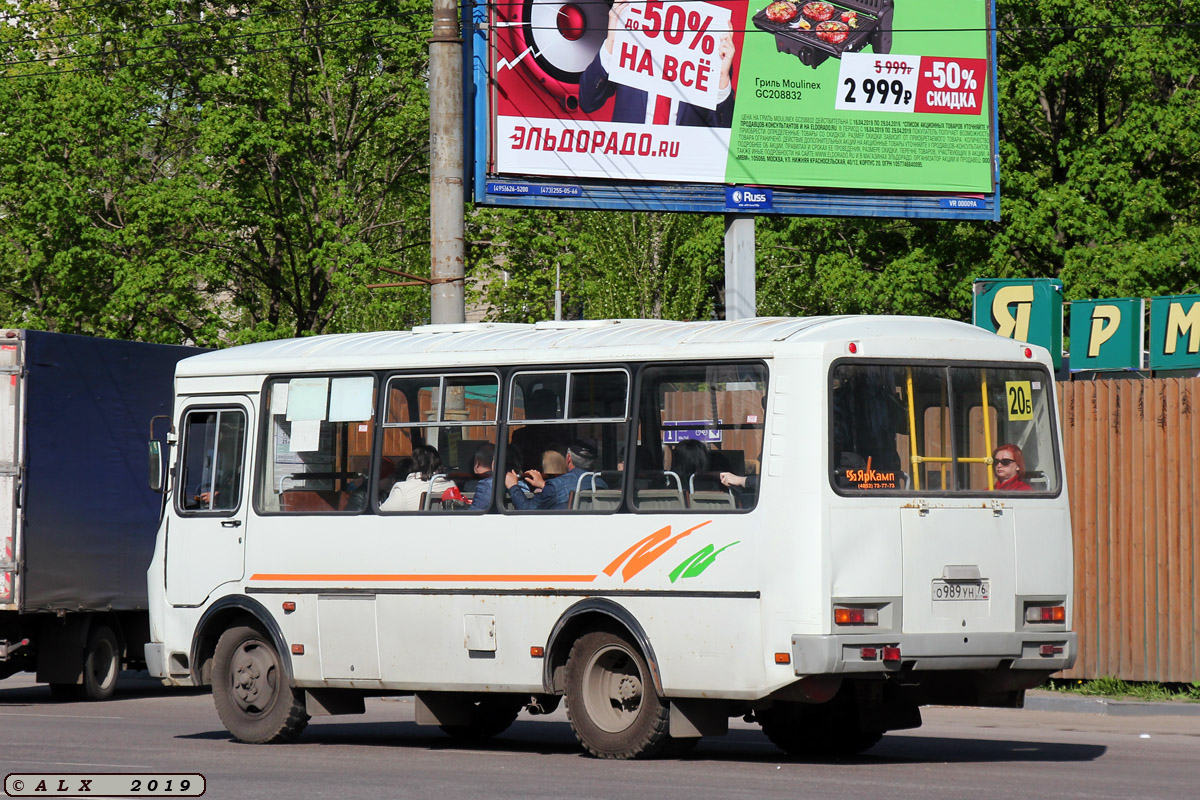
point(406, 495)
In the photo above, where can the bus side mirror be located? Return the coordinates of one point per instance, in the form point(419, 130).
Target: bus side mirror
point(155, 462)
point(155, 466)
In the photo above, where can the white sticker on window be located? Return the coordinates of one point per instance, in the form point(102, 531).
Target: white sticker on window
point(306, 399)
point(306, 435)
point(1037, 385)
point(279, 399)
point(350, 399)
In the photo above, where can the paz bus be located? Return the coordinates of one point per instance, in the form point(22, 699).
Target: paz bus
point(791, 520)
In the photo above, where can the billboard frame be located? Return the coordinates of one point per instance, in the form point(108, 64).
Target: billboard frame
point(627, 195)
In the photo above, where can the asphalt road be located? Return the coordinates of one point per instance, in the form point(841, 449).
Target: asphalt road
point(959, 754)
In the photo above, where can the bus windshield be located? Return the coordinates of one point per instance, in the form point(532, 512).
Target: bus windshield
point(942, 429)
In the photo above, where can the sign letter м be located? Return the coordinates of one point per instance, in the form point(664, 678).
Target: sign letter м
point(1102, 332)
point(1006, 324)
point(1181, 324)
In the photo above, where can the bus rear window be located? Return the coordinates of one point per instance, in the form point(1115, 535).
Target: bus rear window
point(942, 429)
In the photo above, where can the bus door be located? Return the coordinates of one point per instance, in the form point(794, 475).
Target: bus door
point(206, 531)
point(959, 554)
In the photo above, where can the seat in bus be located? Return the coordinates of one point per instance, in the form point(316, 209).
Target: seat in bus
point(670, 497)
point(712, 497)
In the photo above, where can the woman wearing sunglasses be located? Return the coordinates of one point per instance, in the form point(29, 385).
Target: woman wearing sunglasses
point(1009, 464)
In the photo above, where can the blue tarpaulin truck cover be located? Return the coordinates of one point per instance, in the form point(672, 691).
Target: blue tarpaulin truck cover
point(89, 518)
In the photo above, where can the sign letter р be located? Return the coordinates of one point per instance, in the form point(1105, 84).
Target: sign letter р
point(1105, 322)
point(1006, 324)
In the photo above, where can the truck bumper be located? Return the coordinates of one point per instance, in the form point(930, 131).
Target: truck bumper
point(843, 653)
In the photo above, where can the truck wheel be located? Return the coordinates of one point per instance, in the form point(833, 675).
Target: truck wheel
point(251, 691)
point(101, 664)
point(612, 704)
point(490, 716)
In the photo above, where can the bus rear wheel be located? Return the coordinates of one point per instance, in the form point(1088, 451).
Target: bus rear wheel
point(801, 729)
point(612, 704)
point(251, 691)
point(491, 715)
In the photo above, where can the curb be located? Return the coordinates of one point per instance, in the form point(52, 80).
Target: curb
point(1078, 704)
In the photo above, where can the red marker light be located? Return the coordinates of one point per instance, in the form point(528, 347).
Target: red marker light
point(891, 654)
point(1028, 353)
point(852, 347)
point(868, 654)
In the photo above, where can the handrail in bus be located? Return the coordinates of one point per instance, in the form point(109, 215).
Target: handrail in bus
point(918, 459)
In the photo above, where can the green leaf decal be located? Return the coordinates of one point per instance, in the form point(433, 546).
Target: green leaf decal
point(697, 562)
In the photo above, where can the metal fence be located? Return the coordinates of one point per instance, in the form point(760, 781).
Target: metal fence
point(1132, 453)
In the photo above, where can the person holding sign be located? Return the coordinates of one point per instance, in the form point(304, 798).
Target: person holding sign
point(638, 105)
point(1009, 463)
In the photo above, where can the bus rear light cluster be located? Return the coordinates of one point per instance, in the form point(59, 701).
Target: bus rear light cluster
point(856, 616)
point(1046, 614)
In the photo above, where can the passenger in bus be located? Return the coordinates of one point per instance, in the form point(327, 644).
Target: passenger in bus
point(533, 440)
point(747, 482)
point(406, 494)
point(556, 492)
point(483, 466)
point(689, 459)
point(1009, 463)
point(554, 460)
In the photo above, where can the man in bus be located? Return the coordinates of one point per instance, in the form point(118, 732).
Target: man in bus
point(555, 493)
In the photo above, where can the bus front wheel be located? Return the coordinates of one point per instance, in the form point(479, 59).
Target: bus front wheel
point(612, 704)
point(251, 691)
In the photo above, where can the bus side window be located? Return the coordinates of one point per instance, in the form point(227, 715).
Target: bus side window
point(213, 448)
point(439, 442)
point(318, 450)
point(701, 432)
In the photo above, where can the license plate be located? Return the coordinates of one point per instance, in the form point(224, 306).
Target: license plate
point(961, 590)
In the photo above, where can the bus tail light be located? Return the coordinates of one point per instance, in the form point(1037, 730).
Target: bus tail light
point(1046, 614)
point(891, 653)
point(1051, 650)
point(868, 653)
point(856, 616)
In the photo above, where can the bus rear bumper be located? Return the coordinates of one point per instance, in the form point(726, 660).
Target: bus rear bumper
point(1041, 651)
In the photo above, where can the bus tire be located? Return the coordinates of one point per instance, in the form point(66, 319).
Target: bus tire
point(251, 692)
point(801, 729)
point(491, 715)
point(612, 704)
point(101, 664)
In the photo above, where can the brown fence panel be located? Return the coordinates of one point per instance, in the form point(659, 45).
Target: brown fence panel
point(1132, 448)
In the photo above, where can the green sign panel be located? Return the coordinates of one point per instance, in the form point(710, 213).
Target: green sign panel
point(1025, 309)
point(1175, 332)
point(1106, 334)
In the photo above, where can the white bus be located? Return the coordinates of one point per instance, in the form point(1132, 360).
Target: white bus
point(808, 522)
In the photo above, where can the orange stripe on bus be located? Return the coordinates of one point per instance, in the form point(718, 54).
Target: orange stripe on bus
point(267, 576)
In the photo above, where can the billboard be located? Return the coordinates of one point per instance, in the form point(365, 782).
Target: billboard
point(879, 107)
point(1107, 334)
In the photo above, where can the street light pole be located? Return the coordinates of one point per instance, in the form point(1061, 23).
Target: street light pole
point(446, 296)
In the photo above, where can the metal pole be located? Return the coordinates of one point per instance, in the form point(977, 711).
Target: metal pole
point(739, 267)
point(446, 300)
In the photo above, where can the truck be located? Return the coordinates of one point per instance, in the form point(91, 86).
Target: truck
point(77, 515)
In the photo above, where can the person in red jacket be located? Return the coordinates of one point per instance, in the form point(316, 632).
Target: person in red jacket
point(1009, 463)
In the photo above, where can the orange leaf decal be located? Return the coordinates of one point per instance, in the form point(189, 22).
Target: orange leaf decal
point(645, 552)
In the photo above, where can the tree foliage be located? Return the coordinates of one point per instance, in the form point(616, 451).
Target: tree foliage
point(187, 171)
point(176, 170)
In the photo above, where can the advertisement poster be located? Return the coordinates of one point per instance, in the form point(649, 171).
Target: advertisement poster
point(888, 95)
